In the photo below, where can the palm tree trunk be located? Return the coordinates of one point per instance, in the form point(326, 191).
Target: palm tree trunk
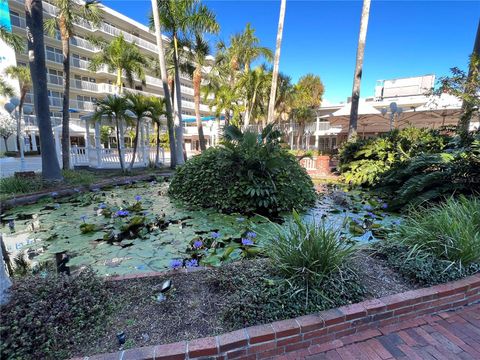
point(119, 147)
point(164, 75)
point(36, 48)
point(119, 81)
point(135, 145)
point(352, 128)
point(276, 62)
point(6, 144)
point(197, 79)
point(178, 106)
point(157, 153)
point(66, 100)
point(23, 93)
point(301, 129)
point(464, 121)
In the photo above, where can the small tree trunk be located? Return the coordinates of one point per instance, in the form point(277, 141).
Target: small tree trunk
point(352, 128)
point(301, 129)
point(135, 144)
point(36, 49)
point(119, 147)
point(157, 153)
point(178, 105)
point(273, 90)
point(6, 143)
point(197, 79)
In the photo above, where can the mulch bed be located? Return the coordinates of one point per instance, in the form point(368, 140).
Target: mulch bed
point(194, 309)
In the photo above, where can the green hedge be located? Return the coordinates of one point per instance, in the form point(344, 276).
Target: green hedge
point(248, 173)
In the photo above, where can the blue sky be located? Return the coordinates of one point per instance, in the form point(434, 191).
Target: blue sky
point(405, 38)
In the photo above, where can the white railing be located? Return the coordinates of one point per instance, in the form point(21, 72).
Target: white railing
point(54, 79)
point(84, 44)
point(52, 56)
point(78, 155)
point(309, 163)
point(84, 85)
point(55, 101)
point(82, 105)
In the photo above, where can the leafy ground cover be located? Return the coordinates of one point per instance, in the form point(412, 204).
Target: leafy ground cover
point(137, 228)
point(200, 304)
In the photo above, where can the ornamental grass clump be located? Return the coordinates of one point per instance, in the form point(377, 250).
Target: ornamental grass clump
point(439, 243)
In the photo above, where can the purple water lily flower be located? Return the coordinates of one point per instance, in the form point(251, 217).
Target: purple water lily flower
point(215, 235)
point(368, 207)
point(247, 242)
point(251, 234)
point(176, 263)
point(95, 190)
point(192, 263)
point(138, 198)
point(83, 218)
point(102, 206)
point(122, 213)
point(197, 244)
point(384, 206)
point(54, 193)
point(370, 214)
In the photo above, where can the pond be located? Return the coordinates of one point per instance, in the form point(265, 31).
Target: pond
point(137, 228)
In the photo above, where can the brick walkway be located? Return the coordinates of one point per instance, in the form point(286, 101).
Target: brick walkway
point(446, 336)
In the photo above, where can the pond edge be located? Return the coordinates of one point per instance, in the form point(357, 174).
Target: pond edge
point(352, 323)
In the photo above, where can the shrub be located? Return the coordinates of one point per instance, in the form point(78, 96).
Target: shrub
point(248, 173)
point(48, 314)
point(78, 177)
point(437, 243)
point(432, 176)
point(17, 185)
point(362, 162)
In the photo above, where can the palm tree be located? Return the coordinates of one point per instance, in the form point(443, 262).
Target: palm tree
point(283, 97)
point(113, 107)
point(22, 75)
point(34, 19)
point(254, 85)
point(250, 49)
point(6, 89)
point(69, 12)
point(198, 52)
point(225, 102)
point(352, 128)
point(140, 106)
point(180, 18)
point(121, 57)
point(157, 110)
point(15, 41)
point(271, 102)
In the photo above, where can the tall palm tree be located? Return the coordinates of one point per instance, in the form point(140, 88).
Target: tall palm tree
point(69, 12)
point(15, 41)
point(180, 18)
point(34, 20)
point(250, 48)
point(255, 86)
point(276, 62)
point(140, 106)
point(121, 57)
point(225, 102)
point(197, 54)
point(6, 89)
point(22, 75)
point(283, 97)
point(352, 128)
point(157, 109)
point(113, 107)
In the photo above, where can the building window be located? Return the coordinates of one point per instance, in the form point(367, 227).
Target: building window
point(15, 19)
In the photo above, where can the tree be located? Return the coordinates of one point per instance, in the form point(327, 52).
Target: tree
point(166, 90)
point(352, 128)
point(307, 96)
point(6, 89)
point(254, 85)
point(283, 97)
point(69, 12)
point(226, 102)
point(38, 71)
point(276, 62)
point(181, 18)
point(140, 106)
point(197, 54)
point(15, 41)
point(121, 57)
point(7, 127)
point(22, 75)
point(113, 107)
point(157, 109)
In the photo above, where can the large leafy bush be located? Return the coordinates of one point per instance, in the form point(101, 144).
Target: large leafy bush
point(362, 162)
point(439, 243)
point(247, 173)
point(430, 176)
point(47, 315)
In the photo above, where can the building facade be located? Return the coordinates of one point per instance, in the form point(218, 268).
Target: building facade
point(87, 87)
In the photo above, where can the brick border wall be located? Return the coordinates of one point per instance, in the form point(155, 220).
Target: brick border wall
point(266, 341)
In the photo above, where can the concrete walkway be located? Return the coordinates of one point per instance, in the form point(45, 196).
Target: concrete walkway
point(9, 165)
point(446, 336)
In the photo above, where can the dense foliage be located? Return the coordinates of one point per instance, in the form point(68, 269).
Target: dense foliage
point(364, 161)
point(48, 314)
point(259, 295)
point(437, 244)
point(430, 176)
point(248, 173)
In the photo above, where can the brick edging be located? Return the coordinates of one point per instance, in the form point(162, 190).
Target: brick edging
point(280, 337)
point(67, 191)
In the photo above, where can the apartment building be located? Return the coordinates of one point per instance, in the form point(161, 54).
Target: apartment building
point(87, 87)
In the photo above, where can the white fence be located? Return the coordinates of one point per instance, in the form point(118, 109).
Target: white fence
point(110, 159)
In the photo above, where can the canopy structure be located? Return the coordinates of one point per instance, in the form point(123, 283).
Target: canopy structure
point(75, 130)
point(203, 118)
point(364, 108)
